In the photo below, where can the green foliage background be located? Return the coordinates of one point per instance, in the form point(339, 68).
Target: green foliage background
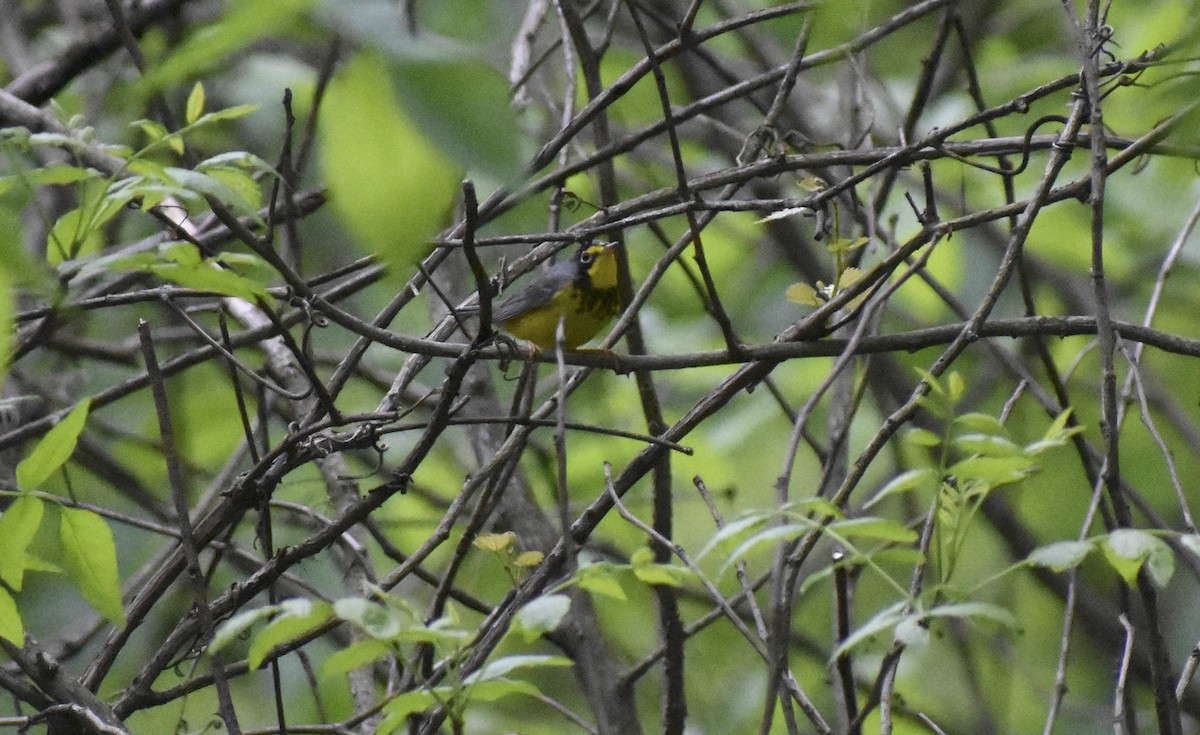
point(939, 492)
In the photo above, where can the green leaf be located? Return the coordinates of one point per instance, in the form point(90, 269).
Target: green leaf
point(217, 280)
point(1160, 563)
point(600, 579)
point(981, 423)
point(209, 185)
point(494, 689)
point(355, 656)
point(874, 528)
point(464, 106)
point(881, 621)
point(243, 23)
point(400, 707)
point(72, 234)
point(542, 615)
point(923, 478)
point(54, 449)
point(734, 531)
point(395, 193)
point(181, 263)
point(804, 294)
point(229, 113)
point(770, 535)
point(376, 620)
point(1058, 428)
point(195, 103)
point(11, 628)
point(296, 618)
point(1061, 555)
point(666, 575)
point(974, 609)
point(237, 159)
point(988, 445)
point(60, 173)
point(241, 185)
point(457, 100)
point(922, 438)
point(993, 471)
point(90, 560)
point(502, 667)
point(955, 386)
point(238, 624)
point(152, 129)
point(18, 525)
point(1127, 549)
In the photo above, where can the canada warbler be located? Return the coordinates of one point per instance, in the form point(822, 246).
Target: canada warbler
point(581, 291)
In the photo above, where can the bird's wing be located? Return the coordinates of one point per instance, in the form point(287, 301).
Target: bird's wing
point(537, 292)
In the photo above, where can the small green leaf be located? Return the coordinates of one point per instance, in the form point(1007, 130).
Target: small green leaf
point(398, 709)
point(1160, 564)
point(496, 543)
point(61, 173)
point(153, 129)
point(210, 186)
point(90, 559)
point(446, 638)
point(195, 103)
point(993, 471)
point(774, 534)
point(803, 293)
point(881, 621)
point(1127, 549)
point(229, 113)
point(924, 478)
point(11, 628)
point(980, 423)
point(495, 689)
point(1061, 555)
point(988, 445)
point(734, 531)
point(922, 438)
point(377, 620)
point(18, 525)
point(1058, 428)
point(297, 617)
point(955, 386)
point(874, 528)
point(355, 656)
point(238, 624)
point(54, 449)
point(974, 609)
point(501, 667)
point(240, 184)
point(842, 245)
point(666, 575)
point(541, 615)
point(71, 235)
point(237, 159)
point(600, 579)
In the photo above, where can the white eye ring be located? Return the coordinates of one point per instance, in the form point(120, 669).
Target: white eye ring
point(585, 257)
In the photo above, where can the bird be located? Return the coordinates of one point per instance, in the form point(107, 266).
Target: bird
point(582, 291)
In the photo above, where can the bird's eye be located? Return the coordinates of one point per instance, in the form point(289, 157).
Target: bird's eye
point(585, 257)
